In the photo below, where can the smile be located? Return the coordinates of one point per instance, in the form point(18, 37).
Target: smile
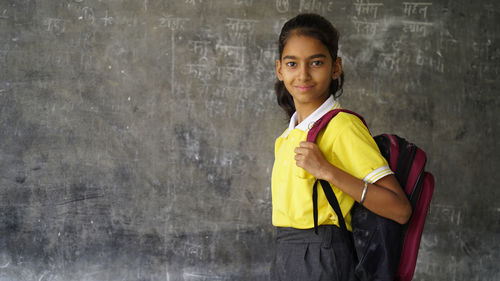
point(304, 88)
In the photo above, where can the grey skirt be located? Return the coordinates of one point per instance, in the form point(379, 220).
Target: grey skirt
point(303, 255)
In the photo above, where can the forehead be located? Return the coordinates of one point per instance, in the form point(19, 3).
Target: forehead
point(302, 46)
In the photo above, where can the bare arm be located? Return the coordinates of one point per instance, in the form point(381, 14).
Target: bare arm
point(385, 197)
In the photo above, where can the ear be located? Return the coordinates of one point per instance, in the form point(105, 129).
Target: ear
point(337, 68)
point(278, 70)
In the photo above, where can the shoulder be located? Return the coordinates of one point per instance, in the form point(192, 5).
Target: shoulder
point(344, 121)
point(282, 138)
point(283, 135)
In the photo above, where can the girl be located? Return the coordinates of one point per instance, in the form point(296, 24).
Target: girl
point(309, 77)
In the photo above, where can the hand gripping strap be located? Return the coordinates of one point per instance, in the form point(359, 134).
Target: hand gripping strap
point(327, 189)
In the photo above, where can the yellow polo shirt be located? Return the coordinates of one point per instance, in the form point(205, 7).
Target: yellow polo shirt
point(346, 143)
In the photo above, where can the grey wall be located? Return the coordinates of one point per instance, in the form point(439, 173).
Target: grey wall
point(136, 136)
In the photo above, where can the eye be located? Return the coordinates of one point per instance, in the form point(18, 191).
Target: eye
point(291, 64)
point(317, 63)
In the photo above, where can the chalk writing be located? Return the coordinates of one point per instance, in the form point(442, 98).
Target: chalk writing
point(446, 42)
point(193, 2)
point(240, 25)
point(282, 6)
point(189, 276)
point(233, 55)
point(200, 71)
point(216, 107)
point(482, 50)
point(429, 240)
point(240, 30)
point(315, 6)
point(393, 61)
point(87, 14)
point(225, 158)
point(367, 9)
point(180, 91)
point(191, 147)
point(448, 268)
point(487, 59)
point(194, 250)
point(416, 8)
point(416, 15)
point(173, 23)
point(230, 74)
point(60, 59)
point(5, 265)
point(107, 20)
point(267, 56)
point(129, 21)
point(86, 61)
point(433, 61)
point(247, 3)
point(3, 15)
point(486, 71)
point(54, 25)
point(365, 27)
point(199, 47)
point(416, 27)
point(445, 214)
point(232, 59)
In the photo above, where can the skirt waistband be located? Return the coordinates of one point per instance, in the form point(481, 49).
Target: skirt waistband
point(326, 234)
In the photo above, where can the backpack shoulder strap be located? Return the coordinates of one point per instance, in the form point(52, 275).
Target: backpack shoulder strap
point(327, 189)
point(323, 121)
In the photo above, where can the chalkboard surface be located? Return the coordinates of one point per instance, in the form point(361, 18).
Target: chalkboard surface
point(136, 136)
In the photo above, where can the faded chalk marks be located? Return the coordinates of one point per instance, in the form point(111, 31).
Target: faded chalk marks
point(416, 9)
point(173, 23)
point(316, 6)
point(282, 6)
point(445, 215)
point(367, 9)
point(240, 31)
point(365, 18)
point(136, 137)
point(54, 25)
point(415, 17)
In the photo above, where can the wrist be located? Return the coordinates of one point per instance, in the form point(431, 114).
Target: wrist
point(329, 173)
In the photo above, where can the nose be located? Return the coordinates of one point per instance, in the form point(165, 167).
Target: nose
point(304, 73)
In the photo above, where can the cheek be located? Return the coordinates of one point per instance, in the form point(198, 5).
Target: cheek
point(287, 77)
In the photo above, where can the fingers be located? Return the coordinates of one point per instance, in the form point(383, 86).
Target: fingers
point(305, 150)
point(300, 160)
point(307, 144)
point(300, 156)
point(304, 147)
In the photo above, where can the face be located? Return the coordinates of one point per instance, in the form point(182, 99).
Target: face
point(307, 69)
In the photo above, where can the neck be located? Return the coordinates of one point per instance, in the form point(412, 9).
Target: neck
point(304, 110)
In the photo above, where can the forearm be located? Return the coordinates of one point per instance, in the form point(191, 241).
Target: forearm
point(385, 197)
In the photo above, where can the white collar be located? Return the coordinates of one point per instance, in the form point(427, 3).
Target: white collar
point(328, 105)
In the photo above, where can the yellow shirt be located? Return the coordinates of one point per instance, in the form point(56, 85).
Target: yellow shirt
point(346, 143)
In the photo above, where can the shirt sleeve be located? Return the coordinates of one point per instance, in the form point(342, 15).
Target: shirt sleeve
point(358, 153)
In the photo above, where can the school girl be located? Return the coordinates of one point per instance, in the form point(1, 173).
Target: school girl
point(309, 76)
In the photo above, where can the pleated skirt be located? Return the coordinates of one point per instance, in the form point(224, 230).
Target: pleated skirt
point(302, 255)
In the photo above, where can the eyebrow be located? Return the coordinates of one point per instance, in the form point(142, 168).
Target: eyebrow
point(311, 57)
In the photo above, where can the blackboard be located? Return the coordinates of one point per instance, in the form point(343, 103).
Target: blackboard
point(136, 136)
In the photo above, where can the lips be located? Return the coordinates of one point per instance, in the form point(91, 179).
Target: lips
point(304, 87)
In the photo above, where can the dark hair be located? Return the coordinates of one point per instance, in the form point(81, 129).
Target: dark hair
point(317, 27)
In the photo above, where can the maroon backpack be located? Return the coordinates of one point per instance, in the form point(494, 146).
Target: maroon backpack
point(386, 250)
